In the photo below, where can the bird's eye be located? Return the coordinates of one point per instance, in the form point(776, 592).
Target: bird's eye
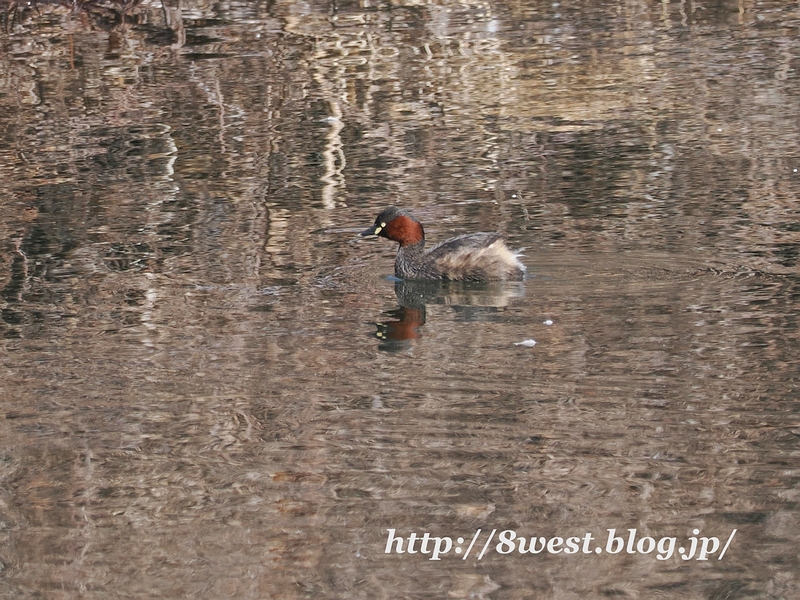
point(383, 225)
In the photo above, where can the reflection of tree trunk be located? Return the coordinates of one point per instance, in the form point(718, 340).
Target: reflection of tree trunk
point(174, 20)
point(333, 157)
point(276, 242)
point(330, 76)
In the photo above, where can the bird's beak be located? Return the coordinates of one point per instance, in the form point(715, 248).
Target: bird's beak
point(374, 230)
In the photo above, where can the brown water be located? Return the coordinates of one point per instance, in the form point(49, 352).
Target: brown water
point(211, 389)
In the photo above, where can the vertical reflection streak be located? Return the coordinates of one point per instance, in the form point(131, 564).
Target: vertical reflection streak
point(330, 74)
point(333, 156)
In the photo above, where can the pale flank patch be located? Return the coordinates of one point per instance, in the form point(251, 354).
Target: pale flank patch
point(491, 259)
point(508, 257)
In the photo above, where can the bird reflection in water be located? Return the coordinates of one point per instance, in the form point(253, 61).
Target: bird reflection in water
point(472, 302)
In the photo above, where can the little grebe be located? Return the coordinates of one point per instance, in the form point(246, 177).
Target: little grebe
point(470, 257)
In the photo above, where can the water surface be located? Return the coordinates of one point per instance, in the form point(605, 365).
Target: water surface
point(212, 387)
